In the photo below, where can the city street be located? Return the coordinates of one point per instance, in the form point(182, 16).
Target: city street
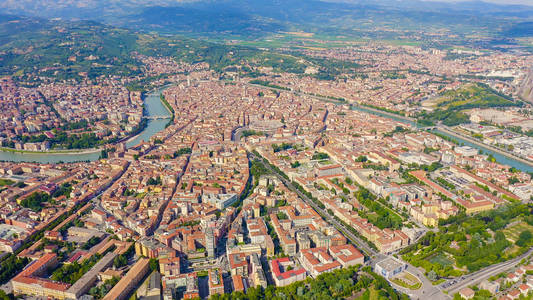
point(347, 233)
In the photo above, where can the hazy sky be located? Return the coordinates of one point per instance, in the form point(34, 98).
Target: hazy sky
point(527, 2)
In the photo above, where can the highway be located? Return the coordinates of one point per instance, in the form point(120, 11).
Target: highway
point(479, 276)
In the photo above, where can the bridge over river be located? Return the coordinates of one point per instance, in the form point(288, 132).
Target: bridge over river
point(156, 117)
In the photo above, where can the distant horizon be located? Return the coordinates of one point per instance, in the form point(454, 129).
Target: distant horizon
point(521, 2)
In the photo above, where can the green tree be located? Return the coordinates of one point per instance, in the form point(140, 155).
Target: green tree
point(4, 296)
point(432, 275)
point(154, 264)
point(524, 238)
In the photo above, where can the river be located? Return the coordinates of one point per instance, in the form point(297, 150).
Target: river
point(153, 107)
point(498, 156)
point(503, 159)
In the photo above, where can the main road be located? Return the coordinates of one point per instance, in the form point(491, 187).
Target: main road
point(426, 291)
point(352, 237)
point(453, 286)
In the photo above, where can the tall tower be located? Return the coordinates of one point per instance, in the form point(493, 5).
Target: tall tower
point(210, 242)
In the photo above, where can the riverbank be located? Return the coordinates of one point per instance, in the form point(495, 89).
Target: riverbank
point(52, 152)
point(383, 113)
point(153, 107)
point(167, 105)
point(501, 156)
point(169, 108)
point(483, 145)
point(387, 113)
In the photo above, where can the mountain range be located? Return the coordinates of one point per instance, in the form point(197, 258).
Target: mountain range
point(254, 18)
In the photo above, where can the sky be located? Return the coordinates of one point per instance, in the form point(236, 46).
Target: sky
point(526, 2)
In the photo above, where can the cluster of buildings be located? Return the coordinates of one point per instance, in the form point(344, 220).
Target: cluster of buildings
point(32, 116)
point(24, 112)
point(78, 240)
point(510, 116)
point(35, 279)
point(308, 245)
point(188, 199)
point(516, 143)
point(108, 100)
point(154, 66)
point(371, 154)
point(428, 72)
point(140, 196)
point(65, 187)
point(211, 103)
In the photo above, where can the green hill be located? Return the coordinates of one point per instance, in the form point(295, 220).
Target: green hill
point(450, 105)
